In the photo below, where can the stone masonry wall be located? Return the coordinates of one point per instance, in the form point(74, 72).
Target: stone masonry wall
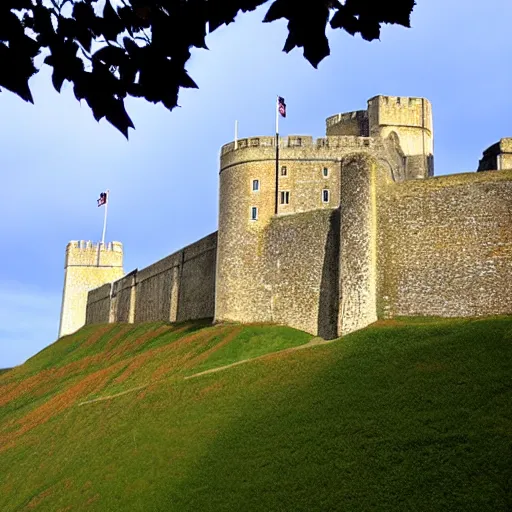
point(123, 298)
point(357, 258)
point(445, 246)
point(177, 288)
point(155, 286)
point(98, 305)
point(197, 280)
point(301, 260)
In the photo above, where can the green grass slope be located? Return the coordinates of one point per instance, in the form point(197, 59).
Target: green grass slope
point(407, 415)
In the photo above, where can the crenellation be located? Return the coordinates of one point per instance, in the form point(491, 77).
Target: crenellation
point(299, 141)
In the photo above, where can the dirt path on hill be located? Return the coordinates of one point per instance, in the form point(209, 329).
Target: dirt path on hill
point(312, 343)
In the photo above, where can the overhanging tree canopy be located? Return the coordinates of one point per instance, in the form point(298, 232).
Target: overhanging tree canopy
point(112, 49)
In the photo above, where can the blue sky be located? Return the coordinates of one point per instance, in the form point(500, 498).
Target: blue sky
point(55, 159)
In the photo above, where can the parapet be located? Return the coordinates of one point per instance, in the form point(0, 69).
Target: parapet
point(497, 157)
point(348, 123)
point(298, 141)
point(87, 245)
point(399, 111)
point(87, 253)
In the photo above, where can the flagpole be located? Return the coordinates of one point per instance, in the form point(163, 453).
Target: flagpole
point(277, 155)
point(105, 219)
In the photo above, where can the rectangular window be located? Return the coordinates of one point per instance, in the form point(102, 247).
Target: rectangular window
point(255, 185)
point(285, 197)
point(284, 171)
point(326, 172)
point(254, 213)
point(325, 196)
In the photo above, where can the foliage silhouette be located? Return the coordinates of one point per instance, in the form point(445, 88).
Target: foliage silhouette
point(140, 49)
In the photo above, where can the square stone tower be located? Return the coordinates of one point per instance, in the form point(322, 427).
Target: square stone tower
point(87, 266)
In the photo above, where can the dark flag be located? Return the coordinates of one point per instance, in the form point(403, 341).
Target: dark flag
point(103, 199)
point(281, 106)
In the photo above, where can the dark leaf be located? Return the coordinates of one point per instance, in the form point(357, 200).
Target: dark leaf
point(10, 27)
point(370, 30)
point(112, 25)
point(117, 116)
point(346, 20)
point(16, 68)
point(279, 9)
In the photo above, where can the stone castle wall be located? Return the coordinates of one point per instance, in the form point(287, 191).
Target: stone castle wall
point(98, 305)
point(358, 238)
point(177, 288)
point(123, 298)
point(445, 246)
point(300, 254)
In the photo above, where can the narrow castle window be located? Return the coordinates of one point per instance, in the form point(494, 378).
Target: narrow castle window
point(254, 213)
point(284, 171)
point(326, 172)
point(255, 185)
point(285, 197)
point(325, 196)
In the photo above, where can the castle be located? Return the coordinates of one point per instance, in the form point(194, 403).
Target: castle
point(347, 229)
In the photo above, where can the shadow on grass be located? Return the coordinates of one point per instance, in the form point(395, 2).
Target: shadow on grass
point(414, 419)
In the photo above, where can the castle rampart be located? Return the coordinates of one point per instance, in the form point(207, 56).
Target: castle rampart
point(98, 305)
point(123, 298)
point(362, 231)
point(445, 246)
point(178, 287)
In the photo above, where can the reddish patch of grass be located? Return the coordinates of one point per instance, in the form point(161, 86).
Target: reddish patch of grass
point(135, 341)
point(97, 335)
point(187, 359)
point(93, 383)
point(36, 500)
point(113, 341)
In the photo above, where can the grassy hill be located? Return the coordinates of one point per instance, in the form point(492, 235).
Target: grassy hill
point(407, 415)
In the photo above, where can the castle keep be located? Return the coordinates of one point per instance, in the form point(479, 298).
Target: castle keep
point(363, 231)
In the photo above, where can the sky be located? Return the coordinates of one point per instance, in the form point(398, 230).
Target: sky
point(55, 158)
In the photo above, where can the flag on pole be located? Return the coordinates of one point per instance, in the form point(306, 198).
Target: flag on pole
point(103, 199)
point(281, 106)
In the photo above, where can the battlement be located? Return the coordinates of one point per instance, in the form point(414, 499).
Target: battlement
point(399, 111)
point(346, 116)
point(87, 245)
point(348, 124)
point(404, 101)
point(300, 141)
point(87, 253)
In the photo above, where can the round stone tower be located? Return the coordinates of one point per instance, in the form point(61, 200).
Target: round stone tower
point(308, 179)
point(87, 266)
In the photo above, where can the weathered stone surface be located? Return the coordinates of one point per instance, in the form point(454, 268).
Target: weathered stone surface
point(445, 246)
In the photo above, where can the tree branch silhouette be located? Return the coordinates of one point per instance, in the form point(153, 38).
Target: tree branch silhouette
point(141, 48)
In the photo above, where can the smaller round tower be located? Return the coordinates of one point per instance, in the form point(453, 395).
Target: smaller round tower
point(87, 266)
point(353, 124)
point(411, 120)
